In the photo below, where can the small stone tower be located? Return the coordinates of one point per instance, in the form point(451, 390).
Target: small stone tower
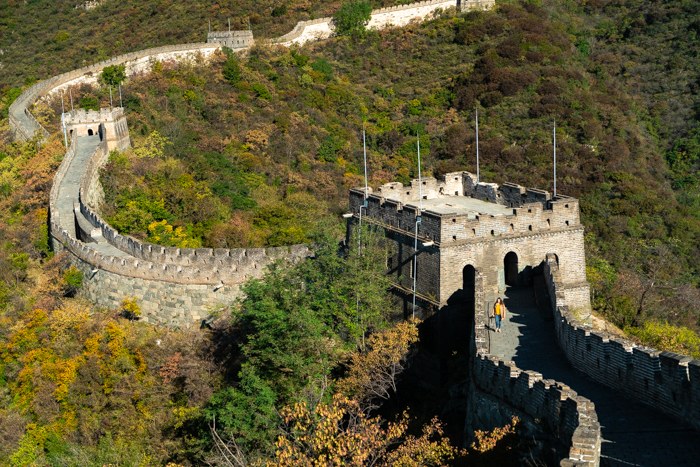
point(235, 40)
point(110, 124)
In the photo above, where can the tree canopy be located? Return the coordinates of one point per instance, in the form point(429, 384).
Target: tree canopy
point(113, 75)
point(352, 17)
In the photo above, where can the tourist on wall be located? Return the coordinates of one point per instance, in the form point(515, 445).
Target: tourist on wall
point(499, 312)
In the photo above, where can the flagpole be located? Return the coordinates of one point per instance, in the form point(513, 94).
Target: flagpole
point(555, 158)
point(418, 221)
point(477, 145)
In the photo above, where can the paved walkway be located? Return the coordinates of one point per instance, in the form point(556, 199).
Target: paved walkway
point(633, 434)
point(69, 192)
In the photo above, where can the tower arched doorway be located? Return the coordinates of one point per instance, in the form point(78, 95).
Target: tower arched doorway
point(90, 132)
point(510, 266)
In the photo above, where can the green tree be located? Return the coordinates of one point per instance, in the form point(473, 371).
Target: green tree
point(352, 18)
point(113, 75)
point(232, 70)
point(299, 322)
point(89, 103)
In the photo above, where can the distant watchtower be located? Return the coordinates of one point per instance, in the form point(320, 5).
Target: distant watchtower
point(234, 40)
point(109, 124)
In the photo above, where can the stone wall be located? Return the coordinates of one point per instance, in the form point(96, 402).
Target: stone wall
point(537, 226)
point(664, 380)
point(23, 125)
point(531, 251)
point(232, 39)
point(173, 286)
point(499, 389)
point(322, 28)
point(552, 407)
point(163, 303)
point(173, 293)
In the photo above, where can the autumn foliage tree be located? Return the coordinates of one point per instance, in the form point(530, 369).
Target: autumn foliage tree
point(373, 374)
point(340, 433)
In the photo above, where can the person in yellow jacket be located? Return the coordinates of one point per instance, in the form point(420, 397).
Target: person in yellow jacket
point(499, 312)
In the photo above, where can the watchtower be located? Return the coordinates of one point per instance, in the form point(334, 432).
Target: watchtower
point(235, 40)
point(110, 124)
point(497, 235)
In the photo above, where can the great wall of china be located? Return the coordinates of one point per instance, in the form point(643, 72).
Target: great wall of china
point(180, 286)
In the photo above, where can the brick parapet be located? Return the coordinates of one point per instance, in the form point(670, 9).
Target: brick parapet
point(570, 418)
point(533, 210)
point(667, 381)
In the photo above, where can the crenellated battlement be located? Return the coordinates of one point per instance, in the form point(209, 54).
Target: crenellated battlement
point(457, 209)
point(104, 115)
point(232, 39)
point(244, 33)
point(668, 381)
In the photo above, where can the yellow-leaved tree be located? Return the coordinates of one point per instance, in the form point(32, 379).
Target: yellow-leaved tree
point(162, 233)
point(373, 373)
point(341, 433)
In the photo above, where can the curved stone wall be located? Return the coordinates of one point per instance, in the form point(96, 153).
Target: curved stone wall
point(23, 125)
point(173, 286)
point(666, 381)
point(401, 15)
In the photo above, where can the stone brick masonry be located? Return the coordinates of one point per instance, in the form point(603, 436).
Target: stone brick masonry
point(474, 226)
point(173, 286)
point(665, 380)
point(533, 226)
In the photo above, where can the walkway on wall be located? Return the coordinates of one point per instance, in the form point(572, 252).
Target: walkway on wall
point(69, 191)
point(633, 434)
point(24, 120)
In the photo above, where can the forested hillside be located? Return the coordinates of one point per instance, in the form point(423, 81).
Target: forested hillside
point(256, 149)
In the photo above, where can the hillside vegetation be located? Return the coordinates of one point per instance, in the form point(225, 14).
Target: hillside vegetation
point(255, 149)
point(258, 147)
